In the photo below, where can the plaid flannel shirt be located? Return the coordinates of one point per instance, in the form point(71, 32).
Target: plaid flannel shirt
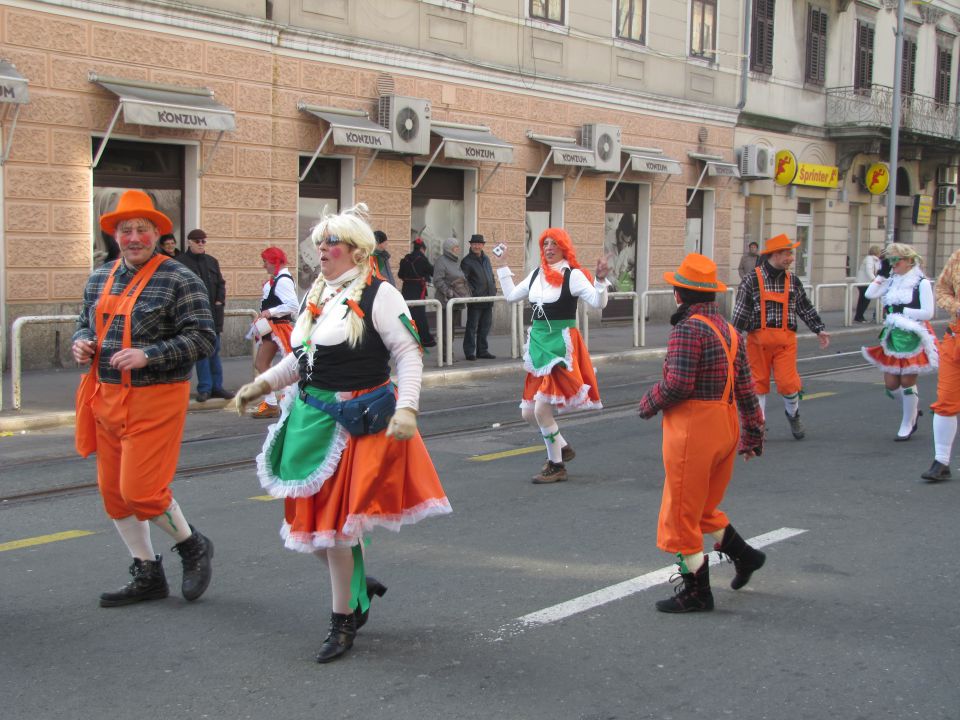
point(695, 368)
point(746, 310)
point(171, 321)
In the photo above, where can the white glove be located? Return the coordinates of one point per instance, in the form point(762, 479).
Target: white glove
point(403, 424)
point(250, 392)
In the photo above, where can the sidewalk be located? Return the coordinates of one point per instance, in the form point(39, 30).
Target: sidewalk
point(47, 395)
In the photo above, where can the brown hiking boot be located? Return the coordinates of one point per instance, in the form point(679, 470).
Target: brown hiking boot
point(554, 472)
point(566, 455)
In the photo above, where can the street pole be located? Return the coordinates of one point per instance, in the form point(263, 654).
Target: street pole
point(895, 124)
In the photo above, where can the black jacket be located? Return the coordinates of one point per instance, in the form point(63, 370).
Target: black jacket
point(415, 272)
point(207, 269)
point(479, 274)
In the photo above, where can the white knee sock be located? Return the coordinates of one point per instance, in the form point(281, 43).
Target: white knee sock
point(791, 403)
point(762, 399)
point(911, 403)
point(693, 562)
point(173, 523)
point(136, 536)
point(551, 438)
point(340, 562)
point(944, 431)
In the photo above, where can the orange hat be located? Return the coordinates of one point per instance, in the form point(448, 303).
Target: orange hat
point(696, 272)
point(780, 242)
point(135, 204)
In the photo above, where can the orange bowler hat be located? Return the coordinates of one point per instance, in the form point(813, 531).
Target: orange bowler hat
point(780, 242)
point(135, 204)
point(696, 272)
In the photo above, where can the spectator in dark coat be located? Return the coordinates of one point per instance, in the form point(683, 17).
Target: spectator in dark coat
point(415, 272)
point(206, 267)
point(479, 273)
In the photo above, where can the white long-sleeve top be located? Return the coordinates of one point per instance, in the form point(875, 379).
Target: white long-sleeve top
point(540, 292)
point(898, 290)
point(331, 329)
point(286, 292)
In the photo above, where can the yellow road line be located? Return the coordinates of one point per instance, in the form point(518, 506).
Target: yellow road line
point(43, 539)
point(506, 453)
point(815, 396)
point(263, 498)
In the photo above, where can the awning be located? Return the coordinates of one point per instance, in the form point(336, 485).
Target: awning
point(563, 151)
point(13, 91)
point(13, 85)
point(468, 142)
point(168, 106)
point(648, 160)
point(714, 166)
point(349, 128)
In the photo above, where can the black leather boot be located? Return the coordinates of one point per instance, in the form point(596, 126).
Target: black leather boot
point(196, 552)
point(149, 583)
point(746, 559)
point(692, 595)
point(374, 587)
point(343, 628)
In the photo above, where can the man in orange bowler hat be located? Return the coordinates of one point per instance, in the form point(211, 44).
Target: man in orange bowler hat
point(145, 321)
point(769, 301)
point(710, 415)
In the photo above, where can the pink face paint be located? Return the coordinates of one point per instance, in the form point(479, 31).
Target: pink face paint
point(335, 253)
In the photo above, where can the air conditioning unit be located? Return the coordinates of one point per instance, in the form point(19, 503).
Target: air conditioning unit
point(756, 161)
point(604, 140)
point(408, 120)
point(946, 175)
point(947, 196)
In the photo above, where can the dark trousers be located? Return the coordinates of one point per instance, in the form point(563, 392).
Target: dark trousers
point(210, 371)
point(419, 315)
point(479, 320)
point(862, 303)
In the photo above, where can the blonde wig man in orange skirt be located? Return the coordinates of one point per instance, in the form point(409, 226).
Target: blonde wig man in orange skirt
point(706, 396)
point(145, 321)
point(346, 455)
point(769, 301)
point(560, 373)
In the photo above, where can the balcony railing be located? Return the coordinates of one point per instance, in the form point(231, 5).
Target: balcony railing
point(871, 108)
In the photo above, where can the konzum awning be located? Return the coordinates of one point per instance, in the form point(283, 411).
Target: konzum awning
point(168, 106)
point(563, 151)
point(348, 128)
point(13, 92)
point(714, 166)
point(468, 142)
point(648, 160)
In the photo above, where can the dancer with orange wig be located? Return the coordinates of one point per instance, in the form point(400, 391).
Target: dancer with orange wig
point(560, 373)
point(279, 308)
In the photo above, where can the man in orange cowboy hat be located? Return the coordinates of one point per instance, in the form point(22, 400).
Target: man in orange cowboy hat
point(706, 395)
point(145, 320)
point(769, 301)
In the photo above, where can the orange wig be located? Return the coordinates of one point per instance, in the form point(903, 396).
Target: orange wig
point(562, 239)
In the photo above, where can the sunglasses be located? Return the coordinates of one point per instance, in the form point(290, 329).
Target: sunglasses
point(894, 260)
point(201, 241)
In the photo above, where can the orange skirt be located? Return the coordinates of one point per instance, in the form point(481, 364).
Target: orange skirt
point(280, 334)
point(568, 389)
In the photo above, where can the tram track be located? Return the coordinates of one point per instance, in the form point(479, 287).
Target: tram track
point(204, 469)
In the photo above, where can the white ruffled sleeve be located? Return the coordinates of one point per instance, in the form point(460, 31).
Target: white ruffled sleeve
point(388, 307)
point(927, 308)
point(592, 293)
point(513, 293)
point(876, 289)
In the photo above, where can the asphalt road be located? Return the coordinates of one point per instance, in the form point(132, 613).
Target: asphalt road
point(853, 617)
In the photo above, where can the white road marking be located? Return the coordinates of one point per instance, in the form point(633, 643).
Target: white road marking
point(619, 591)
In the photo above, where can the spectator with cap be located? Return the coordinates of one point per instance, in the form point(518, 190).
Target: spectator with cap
point(383, 257)
point(479, 273)
point(168, 246)
point(206, 267)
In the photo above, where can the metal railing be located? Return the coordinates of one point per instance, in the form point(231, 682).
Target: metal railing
point(453, 302)
point(16, 345)
point(848, 311)
point(872, 107)
point(584, 310)
point(438, 309)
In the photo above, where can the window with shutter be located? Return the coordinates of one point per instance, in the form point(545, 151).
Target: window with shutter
point(908, 77)
point(863, 65)
point(816, 70)
point(761, 42)
point(944, 64)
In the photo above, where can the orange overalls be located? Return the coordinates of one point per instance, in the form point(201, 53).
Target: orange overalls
point(774, 349)
point(948, 374)
point(700, 440)
point(138, 428)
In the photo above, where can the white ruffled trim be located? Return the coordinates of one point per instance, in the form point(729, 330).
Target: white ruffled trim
point(901, 287)
point(565, 405)
point(314, 481)
point(927, 340)
point(357, 525)
point(548, 368)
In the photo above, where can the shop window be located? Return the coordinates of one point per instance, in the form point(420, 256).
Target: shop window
point(319, 195)
point(620, 235)
point(539, 217)
point(438, 209)
point(155, 168)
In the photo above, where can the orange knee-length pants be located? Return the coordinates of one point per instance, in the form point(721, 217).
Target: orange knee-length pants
point(773, 350)
point(139, 430)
